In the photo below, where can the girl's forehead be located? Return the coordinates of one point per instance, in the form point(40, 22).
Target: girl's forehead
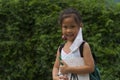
point(69, 20)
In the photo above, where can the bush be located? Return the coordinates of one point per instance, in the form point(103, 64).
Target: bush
point(30, 36)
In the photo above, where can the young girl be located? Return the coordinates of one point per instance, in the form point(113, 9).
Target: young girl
point(74, 67)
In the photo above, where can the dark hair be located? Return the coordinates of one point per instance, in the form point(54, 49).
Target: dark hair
point(70, 12)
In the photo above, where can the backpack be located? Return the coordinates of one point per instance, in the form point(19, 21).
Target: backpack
point(94, 75)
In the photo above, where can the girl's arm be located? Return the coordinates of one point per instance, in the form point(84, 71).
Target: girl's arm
point(87, 68)
point(56, 67)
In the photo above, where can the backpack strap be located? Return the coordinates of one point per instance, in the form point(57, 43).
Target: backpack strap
point(81, 51)
point(81, 48)
point(60, 48)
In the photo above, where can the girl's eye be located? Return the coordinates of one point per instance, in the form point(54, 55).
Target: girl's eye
point(65, 27)
point(72, 26)
point(68, 27)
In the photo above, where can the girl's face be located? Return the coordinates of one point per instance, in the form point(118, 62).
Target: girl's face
point(70, 28)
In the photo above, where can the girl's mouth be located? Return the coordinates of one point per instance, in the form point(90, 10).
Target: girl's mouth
point(69, 35)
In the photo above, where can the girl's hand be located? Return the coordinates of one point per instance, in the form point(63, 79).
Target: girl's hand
point(56, 78)
point(64, 68)
point(63, 77)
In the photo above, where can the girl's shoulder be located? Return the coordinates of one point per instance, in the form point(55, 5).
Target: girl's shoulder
point(86, 44)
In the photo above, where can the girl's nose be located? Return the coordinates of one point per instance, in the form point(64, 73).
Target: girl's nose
point(69, 30)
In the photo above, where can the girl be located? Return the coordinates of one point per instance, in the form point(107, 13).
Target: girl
point(74, 66)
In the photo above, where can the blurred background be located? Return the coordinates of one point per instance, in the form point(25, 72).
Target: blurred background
point(30, 36)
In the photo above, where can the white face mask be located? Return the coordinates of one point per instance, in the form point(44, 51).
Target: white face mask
point(77, 42)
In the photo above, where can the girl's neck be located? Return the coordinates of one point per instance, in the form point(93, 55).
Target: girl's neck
point(69, 43)
point(67, 46)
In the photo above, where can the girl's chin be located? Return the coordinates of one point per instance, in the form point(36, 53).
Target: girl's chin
point(70, 39)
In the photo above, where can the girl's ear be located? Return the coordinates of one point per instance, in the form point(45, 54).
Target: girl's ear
point(81, 24)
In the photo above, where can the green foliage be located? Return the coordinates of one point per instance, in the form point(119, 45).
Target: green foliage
point(30, 36)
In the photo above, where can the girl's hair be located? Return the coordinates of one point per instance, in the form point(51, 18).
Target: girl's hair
point(70, 12)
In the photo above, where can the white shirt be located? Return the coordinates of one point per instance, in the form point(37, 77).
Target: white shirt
point(74, 59)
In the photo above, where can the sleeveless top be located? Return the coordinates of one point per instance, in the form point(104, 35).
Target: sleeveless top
point(74, 59)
